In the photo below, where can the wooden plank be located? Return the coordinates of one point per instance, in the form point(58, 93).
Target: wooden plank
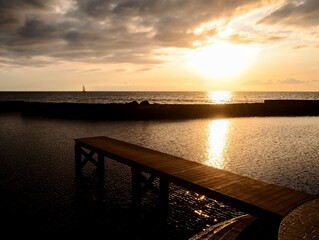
point(216, 183)
point(291, 202)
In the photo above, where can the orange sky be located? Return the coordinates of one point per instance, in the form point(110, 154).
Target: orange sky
point(191, 45)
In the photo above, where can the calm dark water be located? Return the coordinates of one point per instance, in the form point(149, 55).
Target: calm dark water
point(39, 194)
point(157, 97)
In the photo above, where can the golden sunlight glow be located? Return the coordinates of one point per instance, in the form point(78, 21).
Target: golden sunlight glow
point(219, 96)
point(218, 134)
point(222, 60)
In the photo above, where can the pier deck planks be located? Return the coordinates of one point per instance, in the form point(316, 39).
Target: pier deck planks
point(255, 196)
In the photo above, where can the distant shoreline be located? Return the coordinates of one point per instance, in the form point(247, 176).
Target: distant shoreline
point(146, 111)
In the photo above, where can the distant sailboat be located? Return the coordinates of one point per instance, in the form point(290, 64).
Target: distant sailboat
point(83, 89)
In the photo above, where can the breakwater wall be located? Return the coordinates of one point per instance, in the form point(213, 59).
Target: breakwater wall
point(146, 111)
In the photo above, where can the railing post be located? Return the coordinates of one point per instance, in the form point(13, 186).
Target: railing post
point(100, 176)
point(136, 187)
point(164, 195)
point(78, 161)
point(100, 165)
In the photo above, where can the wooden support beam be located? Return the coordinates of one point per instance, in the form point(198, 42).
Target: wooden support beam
point(88, 157)
point(100, 170)
point(100, 165)
point(136, 187)
point(148, 185)
point(78, 161)
point(164, 194)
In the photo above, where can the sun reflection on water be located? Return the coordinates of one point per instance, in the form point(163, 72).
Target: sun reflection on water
point(220, 96)
point(217, 140)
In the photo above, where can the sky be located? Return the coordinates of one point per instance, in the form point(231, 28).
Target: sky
point(159, 45)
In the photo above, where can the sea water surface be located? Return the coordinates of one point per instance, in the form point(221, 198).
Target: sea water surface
point(39, 194)
point(212, 97)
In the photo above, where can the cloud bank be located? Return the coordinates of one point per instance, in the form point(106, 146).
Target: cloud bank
point(297, 13)
point(123, 31)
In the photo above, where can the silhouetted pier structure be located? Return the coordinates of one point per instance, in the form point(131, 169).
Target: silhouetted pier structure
point(258, 198)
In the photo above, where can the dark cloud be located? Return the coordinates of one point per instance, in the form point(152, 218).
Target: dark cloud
point(36, 29)
point(95, 8)
point(13, 12)
point(298, 13)
point(22, 4)
point(107, 30)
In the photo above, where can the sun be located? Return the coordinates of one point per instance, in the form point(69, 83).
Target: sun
point(221, 60)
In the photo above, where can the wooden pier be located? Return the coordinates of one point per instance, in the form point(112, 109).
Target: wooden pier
point(252, 196)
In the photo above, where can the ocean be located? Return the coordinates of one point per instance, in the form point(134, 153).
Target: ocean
point(39, 195)
point(213, 97)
